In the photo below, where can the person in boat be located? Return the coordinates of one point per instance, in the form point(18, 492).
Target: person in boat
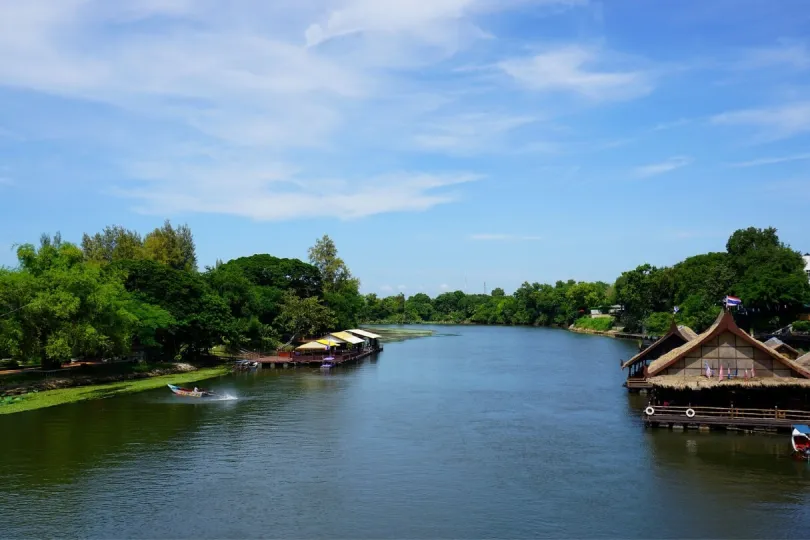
point(196, 389)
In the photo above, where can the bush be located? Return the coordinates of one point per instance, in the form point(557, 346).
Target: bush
point(801, 326)
point(602, 324)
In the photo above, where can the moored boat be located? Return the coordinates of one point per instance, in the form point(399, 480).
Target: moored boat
point(800, 440)
point(186, 392)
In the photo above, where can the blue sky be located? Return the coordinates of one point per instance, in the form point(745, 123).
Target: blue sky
point(439, 143)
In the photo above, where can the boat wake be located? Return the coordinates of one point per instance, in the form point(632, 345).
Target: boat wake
point(223, 397)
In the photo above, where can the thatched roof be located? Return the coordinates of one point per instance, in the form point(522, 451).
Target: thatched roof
point(804, 361)
point(685, 333)
point(679, 382)
point(723, 323)
point(780, 346)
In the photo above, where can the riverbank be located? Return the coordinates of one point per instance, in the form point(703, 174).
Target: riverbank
point(49, 398)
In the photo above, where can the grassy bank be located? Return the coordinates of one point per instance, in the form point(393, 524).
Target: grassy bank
point(601, 324)
point(50, 398)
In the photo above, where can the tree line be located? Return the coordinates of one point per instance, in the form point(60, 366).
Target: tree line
point(767, 275)
point(118, 292)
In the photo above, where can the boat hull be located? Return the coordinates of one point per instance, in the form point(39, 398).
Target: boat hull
point(185, 392)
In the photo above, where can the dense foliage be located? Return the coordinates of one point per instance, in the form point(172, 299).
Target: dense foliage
point(757, 267)
point(120, 293)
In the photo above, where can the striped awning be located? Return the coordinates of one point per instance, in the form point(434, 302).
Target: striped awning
point(345, 336)
point(364, 334)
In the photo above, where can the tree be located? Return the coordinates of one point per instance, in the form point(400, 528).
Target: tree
point(114, 243)
point(72, 309)
point(334, 272)
point(304, 316)
point(171, 246)
point(202, 319)
point(770, 277)
point(643, 291)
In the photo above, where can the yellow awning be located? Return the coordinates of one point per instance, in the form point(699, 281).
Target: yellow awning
point(311, 346)
point(330, 342)
point(345, 336)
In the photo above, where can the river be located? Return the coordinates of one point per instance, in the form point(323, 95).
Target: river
point(475, 432)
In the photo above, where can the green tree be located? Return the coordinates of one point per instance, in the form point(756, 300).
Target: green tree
point(304, 317)
point(334, 272)
point(171, 246)
point(72, 310)
point(114, 243)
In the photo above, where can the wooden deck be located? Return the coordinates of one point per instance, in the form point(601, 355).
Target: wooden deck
point(726, 418)
point(314, 359)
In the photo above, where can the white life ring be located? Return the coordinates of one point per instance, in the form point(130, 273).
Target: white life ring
point(649, 411)
point(690, 413)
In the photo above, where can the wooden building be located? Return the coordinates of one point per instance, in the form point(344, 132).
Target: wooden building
point(638, 365)
point(726, 377)
point(725, 345)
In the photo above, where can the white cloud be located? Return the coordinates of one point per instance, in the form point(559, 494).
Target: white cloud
point(669, 165)
point(262, 195)
point(504, 237)
point(468, 133)
point(773, 123)
point(672, 125)
point(771, 161)
point(578, 69)
point(386, 288)
point(788, 54)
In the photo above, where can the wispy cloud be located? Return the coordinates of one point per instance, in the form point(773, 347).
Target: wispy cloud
point(669, 165)
point(262, 197)
point(467, 133)
point(770, 161)
point(504, 237)
point(794, 55)
point(273, 85)
point(672, 125)
point(772, 123)
point(580, 70)
point(386, 288)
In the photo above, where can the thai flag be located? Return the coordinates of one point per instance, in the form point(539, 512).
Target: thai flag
point(732, 301)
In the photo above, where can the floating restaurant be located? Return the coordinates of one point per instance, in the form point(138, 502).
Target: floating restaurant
point(723, 377)
point(332, 349)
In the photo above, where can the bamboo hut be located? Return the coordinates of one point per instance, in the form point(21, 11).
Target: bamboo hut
point(637, 366)
point(726, 365)
point(782, 348)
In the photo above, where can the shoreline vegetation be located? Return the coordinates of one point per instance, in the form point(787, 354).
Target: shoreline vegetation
point(767, 275)
point(135, 383)
point(121, 296)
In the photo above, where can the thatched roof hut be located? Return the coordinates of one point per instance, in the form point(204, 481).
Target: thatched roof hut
point(782, 348)
point(725, 344)
point(674, 338)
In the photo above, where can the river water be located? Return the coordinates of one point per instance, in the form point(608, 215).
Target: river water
point(475, 432)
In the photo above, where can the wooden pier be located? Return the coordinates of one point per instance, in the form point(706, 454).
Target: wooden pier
point(676, 417)
point(315, 359)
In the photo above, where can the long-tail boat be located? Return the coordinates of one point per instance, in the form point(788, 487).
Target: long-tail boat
point(186, 392)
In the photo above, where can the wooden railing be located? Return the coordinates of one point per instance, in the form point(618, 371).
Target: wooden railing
point(731, 412)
